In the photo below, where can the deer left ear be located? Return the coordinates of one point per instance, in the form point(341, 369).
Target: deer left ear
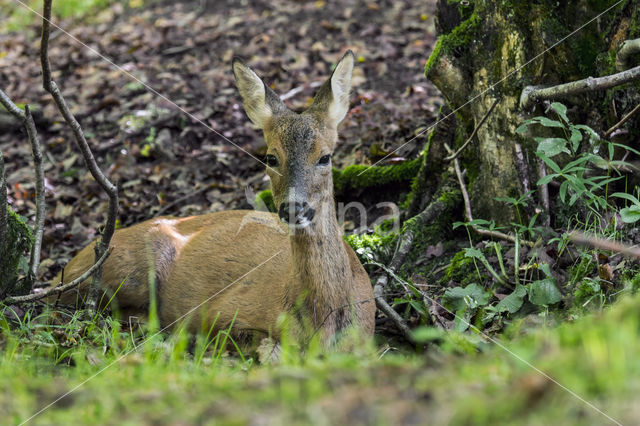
point(332, 101)
point(260, 102)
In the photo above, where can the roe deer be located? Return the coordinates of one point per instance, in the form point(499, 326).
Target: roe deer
point(305, 267)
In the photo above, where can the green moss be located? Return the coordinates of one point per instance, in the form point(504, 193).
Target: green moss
point(264, 199)
point(360, 176)
point(462, 269)
point(434, 57)
point(376, 243)
point(18, 242)
point(460, 36)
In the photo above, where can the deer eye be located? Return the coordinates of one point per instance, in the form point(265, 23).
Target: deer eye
point(271, 160)
point(324, 160)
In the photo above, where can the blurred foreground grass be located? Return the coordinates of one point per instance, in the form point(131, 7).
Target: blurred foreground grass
point(173, 379)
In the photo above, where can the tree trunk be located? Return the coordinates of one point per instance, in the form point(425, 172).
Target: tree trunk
point(490, 50)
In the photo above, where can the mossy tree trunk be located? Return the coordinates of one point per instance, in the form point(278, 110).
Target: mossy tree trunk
point(490, 50)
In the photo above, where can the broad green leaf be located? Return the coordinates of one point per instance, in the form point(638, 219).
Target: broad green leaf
point(576, 138)
point(471, 297)
point(549, 162)
point(513, 302)
point(552, 146)
point(561, 110)
point(546, 122)
point(544, 292)
point(627, 197)
point(461, 321)
point(545, 180)
point(630, 214)
point(563, 190)
point(623, 146)
point(593, 136)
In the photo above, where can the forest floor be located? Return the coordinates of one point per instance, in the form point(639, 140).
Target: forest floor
point(158, 148)
point(167, 162)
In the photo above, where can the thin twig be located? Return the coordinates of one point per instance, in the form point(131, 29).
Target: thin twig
point(621, 122)
point(473, 134)
point(467, 209)
point(532, 94)
point(109, 188)
point(60, 288)
point(36, 150)
point(582, 238)
point(11, 107)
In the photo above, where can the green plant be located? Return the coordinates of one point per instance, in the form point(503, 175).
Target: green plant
point(579, 179)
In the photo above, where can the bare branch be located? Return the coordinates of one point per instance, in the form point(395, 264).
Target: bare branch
point(38, 230)
point(60, 288)
point(473, 134)
point(621, 122)
point(582, 238)
point(532, 94)
point(467, 209)
point(11, 107)
point(105, 184)
point(627, 49)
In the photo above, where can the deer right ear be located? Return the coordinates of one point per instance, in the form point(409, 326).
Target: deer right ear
point(260, 102)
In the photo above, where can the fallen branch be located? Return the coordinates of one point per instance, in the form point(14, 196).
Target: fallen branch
point(627, 49)
point(60, 288)
point(467, 210)
point(532, 94)
point(428, 215)
point(109, 188)
point(473, 134)
point(582, 238)
point(27, 121)
point(621, 122)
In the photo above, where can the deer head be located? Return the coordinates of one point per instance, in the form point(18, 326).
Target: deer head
point(299, 145)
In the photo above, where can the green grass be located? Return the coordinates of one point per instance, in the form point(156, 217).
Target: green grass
point(463, 379)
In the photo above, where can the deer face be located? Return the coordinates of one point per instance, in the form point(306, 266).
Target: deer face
point(299, 146)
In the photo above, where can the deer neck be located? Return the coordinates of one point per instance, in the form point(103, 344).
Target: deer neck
point(321, 269)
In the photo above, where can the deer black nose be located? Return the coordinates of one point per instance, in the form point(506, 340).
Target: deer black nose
point(296, 213)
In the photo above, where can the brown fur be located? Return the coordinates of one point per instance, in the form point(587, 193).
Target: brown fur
point(209, 267)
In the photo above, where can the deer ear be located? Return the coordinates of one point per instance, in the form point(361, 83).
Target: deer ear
point(260, 102)
point(332, 100)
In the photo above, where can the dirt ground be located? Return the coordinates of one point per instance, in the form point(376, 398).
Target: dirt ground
point(154, 142)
